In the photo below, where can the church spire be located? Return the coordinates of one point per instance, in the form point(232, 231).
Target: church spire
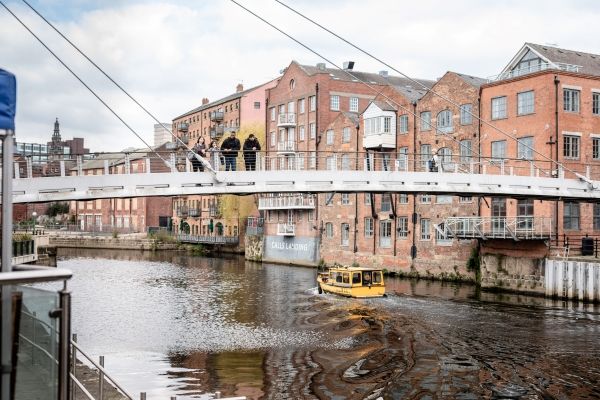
point(56, 134)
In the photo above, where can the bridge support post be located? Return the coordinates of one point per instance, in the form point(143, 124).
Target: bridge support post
point(29, 167)
point(79, 166)
point(127, 164)
point(106, 169)
point(17, 170)
point(148, 165)
point(62, 167)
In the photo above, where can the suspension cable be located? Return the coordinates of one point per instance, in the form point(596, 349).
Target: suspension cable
point(379, 92)
point(558, 164)
point(83, 83)
point(177, 138)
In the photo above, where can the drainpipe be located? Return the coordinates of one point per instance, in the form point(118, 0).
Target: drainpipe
point(413, 249)
point(556, 82)
point(357, 138)
point(395, 222)
point(355, 220)
point(414, 104)
point(479, 124)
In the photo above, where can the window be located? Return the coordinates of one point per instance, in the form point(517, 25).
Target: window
point(403, 198)
point(301, 132)
point(330, 136)
point(466, 151)
point(596, 216)
point(385, 233)
point(499, 107)
point(257, 105)
point(596, 103)
point(353, 104)
point(312, 103)
point(334, 104)
point(291, 107)
point(525, 148)
point(465, 199)
point(571, 100)
point(367, 199)
point(301, 106)
point(571, 146)
point(386, 202)
point(403, 124)
point(345, 234)
point(345, 199)
point(387, 124)
point(465, 114)
point(443, 199)
point(425, 229)
point(499, 149)
point(526, 103)
point(312, 127)
point(444, 121)
point(445, 154)
point(440, 237)
point(425, 198)
point(596, 148)
point(368, 227)
point(425, 153)
point(426, 121)
point(571, 215)
point(525, 214)
point(329, 230)
point(330, 163)
point(346, 162)
point(292, 84)
point(402, 227)
point(282, 109)
point(346, 135)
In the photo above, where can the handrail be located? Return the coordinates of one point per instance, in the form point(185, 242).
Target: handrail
point(101, 369)
point(81, 387)
point(19, 277)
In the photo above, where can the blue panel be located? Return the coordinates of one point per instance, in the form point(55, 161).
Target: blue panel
point(8, 100)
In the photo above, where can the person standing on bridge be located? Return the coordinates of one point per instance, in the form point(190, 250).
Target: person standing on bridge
point(230, 148)
point(214, 154)
point(199, 149)
point(251, 146)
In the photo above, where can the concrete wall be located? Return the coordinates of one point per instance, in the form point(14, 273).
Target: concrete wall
point(254, 248)
point(296, 250)
point(111, 243)
point(573, 279)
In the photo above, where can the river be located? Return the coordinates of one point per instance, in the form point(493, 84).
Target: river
point(171, 324)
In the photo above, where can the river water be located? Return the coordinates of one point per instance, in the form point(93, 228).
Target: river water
point(171, 324)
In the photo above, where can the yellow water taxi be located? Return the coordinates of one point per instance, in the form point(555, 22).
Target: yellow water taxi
point(356, 282)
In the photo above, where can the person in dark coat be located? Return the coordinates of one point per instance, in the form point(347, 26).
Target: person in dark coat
point(200, 149)
point(230, 148)
point(251, 146)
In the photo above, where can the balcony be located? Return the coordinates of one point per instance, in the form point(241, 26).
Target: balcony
point(183, 126)
point(184, 138)
point(292, 202)
point(194, 212)
point(217, 131)
point(216, 116)
point(286, 147)
point(287, 119)
point(182, 212)
point(379, 140)
point(286, 230)
point(534, 68)
point(214, 211)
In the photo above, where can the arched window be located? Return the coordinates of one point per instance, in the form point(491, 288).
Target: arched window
point(444, 121)
point(292, 84)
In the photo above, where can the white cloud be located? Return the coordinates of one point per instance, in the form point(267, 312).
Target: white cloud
point(170, 55)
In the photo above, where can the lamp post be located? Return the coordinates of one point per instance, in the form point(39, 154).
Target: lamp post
point(33, 220)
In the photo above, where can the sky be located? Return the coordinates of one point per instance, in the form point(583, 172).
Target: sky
point(171, 54)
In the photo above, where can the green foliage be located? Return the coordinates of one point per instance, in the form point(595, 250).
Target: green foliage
point(55, 209)
point(21, 237)
point(115, 234)
point(162, 236)
point(474, 264)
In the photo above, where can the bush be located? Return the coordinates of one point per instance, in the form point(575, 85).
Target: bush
point(55, 209)
point(161, 236)
point(21, 237)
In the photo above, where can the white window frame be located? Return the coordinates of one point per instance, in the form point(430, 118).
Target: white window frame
point(344, 234)
point(425, 120)
point(571, 100)
point(346, 134)
point(402, 227)
point(301, 106)
point(345, 199)
point(571, 147)
point(403, 123)
point(526, 102)
point(329, 233)
point(334, 102)
point(312, 103)
point(330, 137)
point(425, 229)
point(368, 227)
point(301, 134)
point(353, 106)
point(444, 122)
point(465, 114)
point(525, 148)
point(385, 233)
point(499, 107)
point(312, 127)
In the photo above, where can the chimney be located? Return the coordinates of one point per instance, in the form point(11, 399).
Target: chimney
point(348, 65)
point(204, 101)
point(321, 66)
point(239, 88)
point(383, 73)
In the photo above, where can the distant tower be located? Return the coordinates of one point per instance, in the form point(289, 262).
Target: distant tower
point(56, 146)
point(56, 134)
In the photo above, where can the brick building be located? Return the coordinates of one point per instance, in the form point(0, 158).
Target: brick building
point(122, 214)
point(549, 100)
point(242, 112)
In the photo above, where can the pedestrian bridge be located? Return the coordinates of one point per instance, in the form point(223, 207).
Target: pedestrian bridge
point(298, 173)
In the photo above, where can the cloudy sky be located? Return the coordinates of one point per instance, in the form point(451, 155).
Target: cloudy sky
point(171, 54)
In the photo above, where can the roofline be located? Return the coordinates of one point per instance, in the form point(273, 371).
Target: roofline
point(521, 53)
point(539, 73)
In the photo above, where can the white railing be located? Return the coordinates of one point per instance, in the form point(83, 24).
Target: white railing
point(286, 229)
point(534, 68)
point(286, 119)
point(516, 228)
point(208, 239)
point(286, 146)
point(298, 201)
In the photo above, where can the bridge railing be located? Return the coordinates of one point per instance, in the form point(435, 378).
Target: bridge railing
point(514, 227)
point(182, 160)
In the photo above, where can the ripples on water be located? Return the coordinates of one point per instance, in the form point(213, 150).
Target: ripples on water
point(172, 324)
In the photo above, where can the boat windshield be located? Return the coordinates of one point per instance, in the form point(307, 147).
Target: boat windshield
point(356, 278)
point(377, 278)
point(366, 277)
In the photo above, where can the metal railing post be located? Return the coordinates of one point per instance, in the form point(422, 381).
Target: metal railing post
point(73, 364)
point(148, 169)
point(64, 344)
point(101, 378)
point(62, 168)
point(33, 338)
point(106, 168)
point(79, 166)
point(142, 395)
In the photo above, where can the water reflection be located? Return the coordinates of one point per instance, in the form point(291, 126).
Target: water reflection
point(173, 324)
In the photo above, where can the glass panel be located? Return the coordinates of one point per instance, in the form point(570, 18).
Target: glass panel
point(37, 368)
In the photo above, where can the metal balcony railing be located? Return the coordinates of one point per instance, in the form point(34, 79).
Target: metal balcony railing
point(217, 131)
point(194, 212)
point(516, 228)
point(535, 68)
point(288, 146)
point(214, 211)
point(183, 126)
point(286, 229)
point(286, 119)
point(217, 115)
point(289, 202)
point(182, 212)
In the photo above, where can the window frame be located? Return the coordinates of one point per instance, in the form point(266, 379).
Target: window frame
point(403, 124)
point(524, 106)
point(353, 104)
point(425, 229)
point(402, 227)
point(465, 117)
point(496, 109)
point(525, 150)
point(568, 147)
point(334, 102)
point(425, 121)
point(571, 100)
point(369, 230)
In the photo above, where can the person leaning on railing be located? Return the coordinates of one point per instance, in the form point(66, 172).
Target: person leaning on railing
point(230, 148)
